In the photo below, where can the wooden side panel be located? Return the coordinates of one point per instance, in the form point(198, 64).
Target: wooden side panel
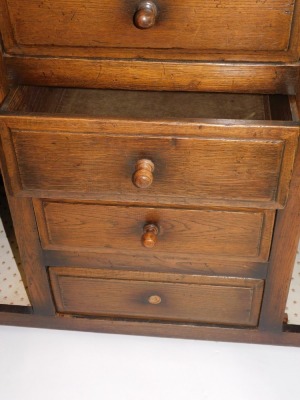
point(30, 249)
point(195, 163)
point(283, 254)
point(195, 233)
point(3, 78)
point(155, 296)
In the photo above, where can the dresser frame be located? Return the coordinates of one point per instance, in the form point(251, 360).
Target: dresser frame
point(271, 329)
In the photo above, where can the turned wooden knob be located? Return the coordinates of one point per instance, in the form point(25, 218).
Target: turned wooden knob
point(143, 177)
point(145, 15)
point(155, 299)
point(149, 237)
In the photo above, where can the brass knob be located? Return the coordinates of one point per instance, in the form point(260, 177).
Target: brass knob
point(149, 237)
point(155, 299)
point(143, 177)
point(145, 15)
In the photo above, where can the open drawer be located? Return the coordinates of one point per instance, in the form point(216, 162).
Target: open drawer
point(191, 149)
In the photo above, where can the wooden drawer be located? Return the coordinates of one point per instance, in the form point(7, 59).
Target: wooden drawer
point(117, 294)
point(226, 234)
point(196, 161)
point(86, 28)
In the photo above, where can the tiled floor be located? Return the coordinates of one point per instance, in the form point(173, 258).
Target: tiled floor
point(12, 290)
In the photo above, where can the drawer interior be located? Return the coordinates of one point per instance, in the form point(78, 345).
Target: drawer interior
point(148, 104)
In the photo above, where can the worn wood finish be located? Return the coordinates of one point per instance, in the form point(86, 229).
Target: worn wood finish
point(36, 280)
point(86, 227)
point(157, 296)
point(259, 27)
point(155, 75)
point(241, 163)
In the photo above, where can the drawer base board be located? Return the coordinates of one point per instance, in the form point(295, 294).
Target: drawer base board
point(288, 337)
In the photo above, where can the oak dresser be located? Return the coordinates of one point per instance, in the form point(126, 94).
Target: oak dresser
point(149, 153)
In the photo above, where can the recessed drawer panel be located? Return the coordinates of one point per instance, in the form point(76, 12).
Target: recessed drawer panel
point(142, 230)
point(185, 170)
point(99, 293)
point(232, 25)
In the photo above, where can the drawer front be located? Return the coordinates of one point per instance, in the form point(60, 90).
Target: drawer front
point(128, 230)
point(234, 25)
point(231, 301)
point(193, 164)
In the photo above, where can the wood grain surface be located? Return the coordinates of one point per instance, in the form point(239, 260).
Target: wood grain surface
point(212, 300)
point(197, 161)
point(213, 184)
point(227, 234)
point(237, 26)
point(214, 164)
point(155, 74)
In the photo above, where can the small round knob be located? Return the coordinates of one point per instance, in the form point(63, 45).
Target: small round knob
point(149, 237)
point(155, 299)
point(145, 15)
point(143, 177)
